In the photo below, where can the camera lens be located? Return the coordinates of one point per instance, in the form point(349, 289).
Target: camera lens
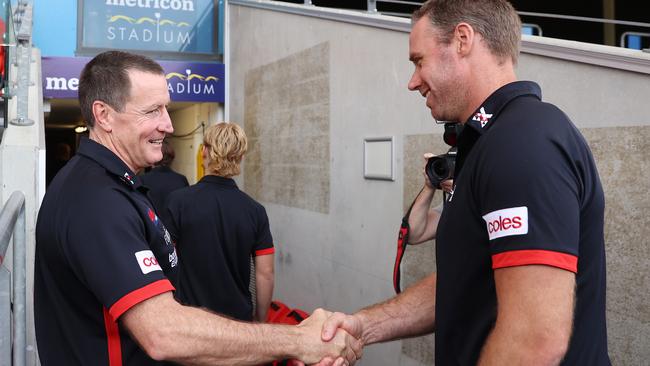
point(440, 168)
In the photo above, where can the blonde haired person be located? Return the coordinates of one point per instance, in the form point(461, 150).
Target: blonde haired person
point(218, 228)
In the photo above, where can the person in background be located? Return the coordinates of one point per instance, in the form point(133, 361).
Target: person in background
point(162, 180)
point(423, 219)
point(105, 266)
point(218, 228)
point(520, 251)
point(62, 153)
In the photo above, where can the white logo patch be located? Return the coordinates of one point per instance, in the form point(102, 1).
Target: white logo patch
point(482, 117)
point(147, 261)
point(507, 222)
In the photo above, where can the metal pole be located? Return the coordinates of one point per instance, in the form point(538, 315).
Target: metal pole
point(5, 316)
point(12, 220)
point(609, 30)
point(20, 296)
point(308, 2)
point(23, 58)
point(372, 6)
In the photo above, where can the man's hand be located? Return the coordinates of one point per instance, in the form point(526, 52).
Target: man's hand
point(340, 348)
point(339, 323)
point(427, 182)
point(447, 185)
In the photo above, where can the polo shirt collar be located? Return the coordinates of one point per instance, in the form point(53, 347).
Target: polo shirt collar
point(219, 180)
point(109, 161)
point(485, 115)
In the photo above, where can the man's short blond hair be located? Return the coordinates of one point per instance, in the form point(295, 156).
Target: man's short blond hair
point(226, 144)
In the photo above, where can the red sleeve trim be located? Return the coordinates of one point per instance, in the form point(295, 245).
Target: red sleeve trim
point(139, 295)
point(113, 339)
point(264, 252)
point(515, 258)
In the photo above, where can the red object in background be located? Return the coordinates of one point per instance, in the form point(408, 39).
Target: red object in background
point(2, 54)
point(279, 313)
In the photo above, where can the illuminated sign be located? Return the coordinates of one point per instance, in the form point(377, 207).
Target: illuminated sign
point(186, 81)
point(187, 26)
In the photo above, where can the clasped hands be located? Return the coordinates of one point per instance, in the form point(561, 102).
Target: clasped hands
point(330, 339)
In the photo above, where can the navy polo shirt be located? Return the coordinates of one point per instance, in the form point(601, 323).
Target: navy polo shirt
point(527, 193)
point(217, 228)
point(100, 249)
point(161, 181)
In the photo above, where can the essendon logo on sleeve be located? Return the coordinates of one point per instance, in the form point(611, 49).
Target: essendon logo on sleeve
point(147, 261)
point(506, 222)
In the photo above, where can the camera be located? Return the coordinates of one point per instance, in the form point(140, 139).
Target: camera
point(441, 167)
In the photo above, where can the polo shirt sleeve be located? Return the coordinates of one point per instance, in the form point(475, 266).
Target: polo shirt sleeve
point(108, 251)
point(529, 198)
point(263, 238)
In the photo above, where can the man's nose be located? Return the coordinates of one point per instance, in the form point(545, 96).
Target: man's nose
point(414, 83)
point(167, 126)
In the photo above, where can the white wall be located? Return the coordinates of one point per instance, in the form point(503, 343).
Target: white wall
point(22, 168)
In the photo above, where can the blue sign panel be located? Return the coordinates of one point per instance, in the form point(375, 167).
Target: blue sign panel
point(186, 81)
point(195, 81)
point(150, 25)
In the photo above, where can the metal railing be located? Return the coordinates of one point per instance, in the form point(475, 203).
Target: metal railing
point(371, 7)
point(12, 223)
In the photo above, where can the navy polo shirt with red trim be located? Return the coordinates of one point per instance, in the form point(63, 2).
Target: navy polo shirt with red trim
point(527, 193)
point(100, 249)
point(217, 229)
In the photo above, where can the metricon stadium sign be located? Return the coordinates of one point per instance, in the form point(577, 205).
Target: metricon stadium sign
point(187, 5)
point(150, 25)
point(186, 81)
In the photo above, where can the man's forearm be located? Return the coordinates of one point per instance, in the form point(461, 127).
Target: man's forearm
point(422, 225)
point(239, 343)
point(169, 331)
point(410, 314)
point(264, 293)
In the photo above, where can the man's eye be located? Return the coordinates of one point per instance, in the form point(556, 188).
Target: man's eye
point(154, 111)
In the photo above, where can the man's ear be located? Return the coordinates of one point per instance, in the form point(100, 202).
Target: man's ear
point(464, 36)
point(101, 112)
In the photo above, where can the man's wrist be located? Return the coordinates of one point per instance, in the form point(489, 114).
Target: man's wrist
point(362, 318)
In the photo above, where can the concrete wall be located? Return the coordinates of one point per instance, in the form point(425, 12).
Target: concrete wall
point(22, 168)
point(340, 255)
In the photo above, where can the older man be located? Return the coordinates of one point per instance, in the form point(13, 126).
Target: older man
point(105, 264)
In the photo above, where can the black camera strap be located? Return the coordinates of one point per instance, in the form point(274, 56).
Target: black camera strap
point(402, 242)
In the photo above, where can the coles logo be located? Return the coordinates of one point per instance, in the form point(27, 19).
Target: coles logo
point(147, 261)
point(506, 222)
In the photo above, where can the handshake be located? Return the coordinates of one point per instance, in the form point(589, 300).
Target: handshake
point(330, 339)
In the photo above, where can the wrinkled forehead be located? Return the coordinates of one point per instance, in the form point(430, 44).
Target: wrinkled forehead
point(148, 85)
